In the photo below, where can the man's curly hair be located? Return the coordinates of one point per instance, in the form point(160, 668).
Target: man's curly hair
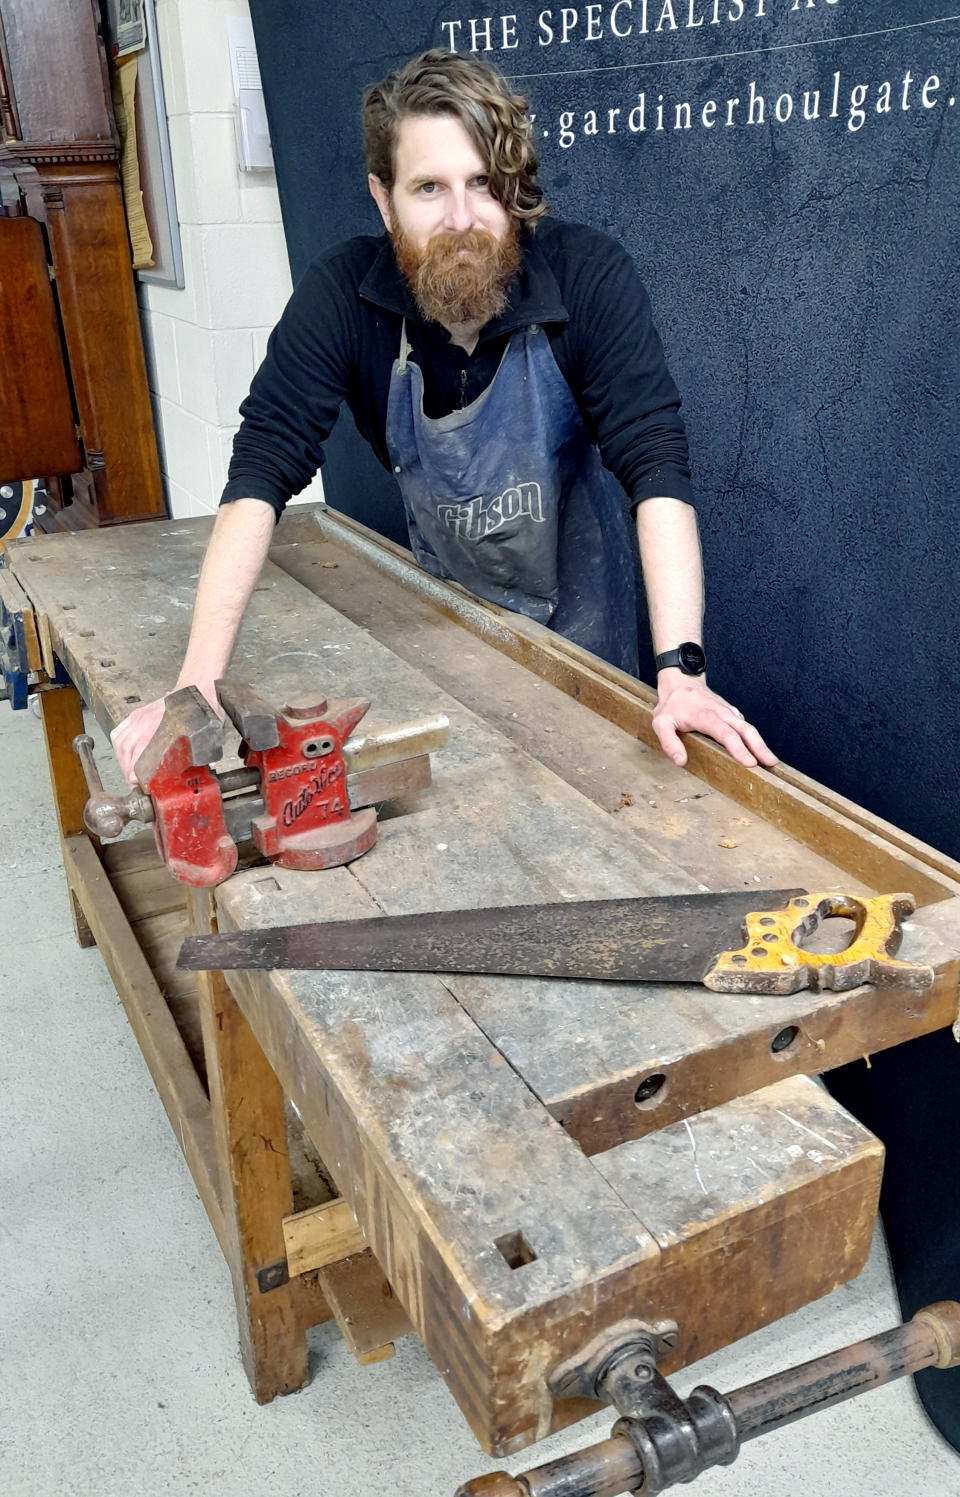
point(441, 82)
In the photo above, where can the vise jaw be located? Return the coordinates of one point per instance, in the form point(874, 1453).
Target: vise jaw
point(306, 821)
point(305, 796)
point(188, 820)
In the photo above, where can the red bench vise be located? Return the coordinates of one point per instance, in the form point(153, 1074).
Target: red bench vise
point(305, 797)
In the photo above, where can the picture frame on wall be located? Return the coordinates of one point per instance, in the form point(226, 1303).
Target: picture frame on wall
point(127, 21)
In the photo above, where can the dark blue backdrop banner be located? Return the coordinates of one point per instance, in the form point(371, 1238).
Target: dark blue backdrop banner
point(785, 174)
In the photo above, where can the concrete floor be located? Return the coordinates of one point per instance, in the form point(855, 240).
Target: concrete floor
point(120, 1373)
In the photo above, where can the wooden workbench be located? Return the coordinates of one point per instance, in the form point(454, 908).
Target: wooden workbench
point(504, 1166)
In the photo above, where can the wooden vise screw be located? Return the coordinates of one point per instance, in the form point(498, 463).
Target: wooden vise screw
point(306, 796)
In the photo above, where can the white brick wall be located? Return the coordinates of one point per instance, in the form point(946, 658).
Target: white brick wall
point(205, 342)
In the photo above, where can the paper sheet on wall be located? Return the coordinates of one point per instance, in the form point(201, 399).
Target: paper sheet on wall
point(129, 26)
point(124, 88)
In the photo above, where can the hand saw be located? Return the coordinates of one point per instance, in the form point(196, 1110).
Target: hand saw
point(739, 942)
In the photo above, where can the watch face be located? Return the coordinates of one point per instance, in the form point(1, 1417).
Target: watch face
point(692, 659)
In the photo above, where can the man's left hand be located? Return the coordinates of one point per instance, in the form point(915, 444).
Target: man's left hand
point(685, 704)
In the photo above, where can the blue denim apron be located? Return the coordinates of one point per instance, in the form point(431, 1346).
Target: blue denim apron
point(509, 498)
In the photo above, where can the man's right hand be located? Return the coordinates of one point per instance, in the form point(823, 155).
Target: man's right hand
point(131, 736)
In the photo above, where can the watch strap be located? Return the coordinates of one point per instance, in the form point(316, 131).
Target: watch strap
point(676, 659)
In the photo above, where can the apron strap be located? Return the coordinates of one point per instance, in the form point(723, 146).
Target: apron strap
point(404, 349)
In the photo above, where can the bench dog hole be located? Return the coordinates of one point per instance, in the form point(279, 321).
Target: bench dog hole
point(785, 1039)
point(651, 1091)
point(515, 1249)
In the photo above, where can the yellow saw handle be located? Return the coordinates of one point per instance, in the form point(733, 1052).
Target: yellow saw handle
point(772, 963)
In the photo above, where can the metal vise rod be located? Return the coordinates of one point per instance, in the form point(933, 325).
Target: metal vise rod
point(614, 1466)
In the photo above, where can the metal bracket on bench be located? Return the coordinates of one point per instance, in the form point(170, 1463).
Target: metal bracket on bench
point(273, 1276)
point(674, 1439)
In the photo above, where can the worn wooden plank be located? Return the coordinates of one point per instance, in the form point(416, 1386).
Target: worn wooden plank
point(61, 714)
point(155, 905)
point(256, 1193)
point(784, 1179)
point(321, 1236)
point(316, 1310)
point(47, 653)
point(174, 1076)
point(171, 559)
point(97, 629)
point(703, 832)
point(160, 938)
point(868, 848)
point(16, 602)
point(369, 1316)
point(143, 884)
point(119, 652)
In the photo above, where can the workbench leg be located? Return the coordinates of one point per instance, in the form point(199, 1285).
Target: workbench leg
point(255, 1188)
point(61, 712)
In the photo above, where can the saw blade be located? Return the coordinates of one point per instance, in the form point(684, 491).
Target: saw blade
point(669, 938)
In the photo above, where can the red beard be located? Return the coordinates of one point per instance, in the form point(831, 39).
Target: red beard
point(459, 278)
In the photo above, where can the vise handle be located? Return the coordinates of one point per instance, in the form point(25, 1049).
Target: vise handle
point(106, 815)
point(661, 1440)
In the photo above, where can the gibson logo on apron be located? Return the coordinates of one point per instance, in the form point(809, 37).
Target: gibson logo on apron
point(478, 517)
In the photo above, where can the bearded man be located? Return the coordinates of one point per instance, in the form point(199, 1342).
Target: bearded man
point(505, 368)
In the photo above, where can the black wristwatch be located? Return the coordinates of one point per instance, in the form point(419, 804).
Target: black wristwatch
point(689, 658)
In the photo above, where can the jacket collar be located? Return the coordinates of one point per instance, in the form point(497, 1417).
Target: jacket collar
point(533, 295)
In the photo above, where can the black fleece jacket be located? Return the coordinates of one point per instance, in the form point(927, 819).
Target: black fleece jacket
point(340, 333)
